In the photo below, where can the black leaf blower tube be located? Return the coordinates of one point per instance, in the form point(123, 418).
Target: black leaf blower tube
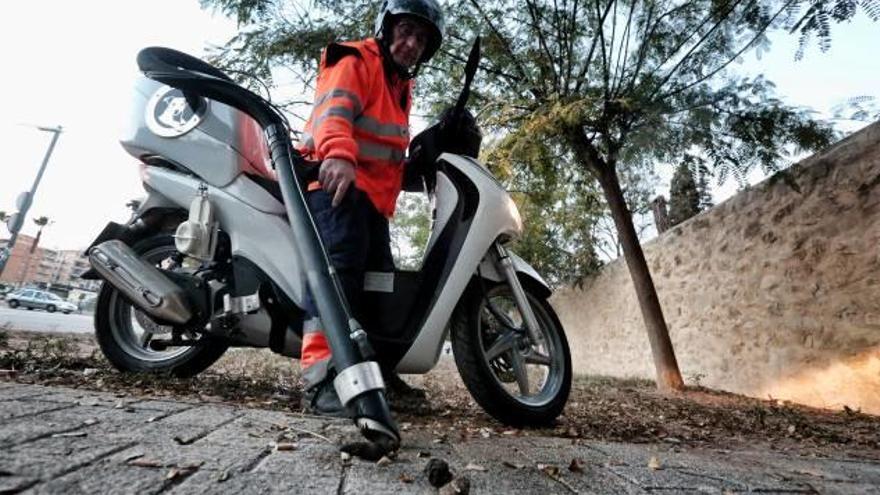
point(358, 382)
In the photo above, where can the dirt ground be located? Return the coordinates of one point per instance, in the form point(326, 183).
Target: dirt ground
point(599, 408)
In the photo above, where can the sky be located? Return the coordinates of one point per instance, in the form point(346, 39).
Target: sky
point(73, 64)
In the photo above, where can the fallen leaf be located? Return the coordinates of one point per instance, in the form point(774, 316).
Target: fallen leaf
point(423, 453)
point(512, 465)
point(654, 463)
point(144, 462)
point(153, 418)
point(384, 461)
point(576, 466)
point(223, 476)
point(549, 469)
point(458, 486)
point(405, 478)
point(119, 405)
point(345, 456)
point(176, 473)
point(474, 467)
point(90, 422)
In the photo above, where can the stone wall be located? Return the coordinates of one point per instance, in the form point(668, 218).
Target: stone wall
point(775, 292)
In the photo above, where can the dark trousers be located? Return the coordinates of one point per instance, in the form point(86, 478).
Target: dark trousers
point(357, 240)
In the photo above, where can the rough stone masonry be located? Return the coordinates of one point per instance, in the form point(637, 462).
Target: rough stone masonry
point(775, 292)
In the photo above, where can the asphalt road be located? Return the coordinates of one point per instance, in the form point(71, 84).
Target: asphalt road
point(41, 321)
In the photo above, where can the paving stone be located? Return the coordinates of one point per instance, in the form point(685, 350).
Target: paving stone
point(204, 482)
point(53, 456)
point(18, 391)
point(262, 427)
point(203, 416)
point(813, 469)
point(212, 458)
point(15, 484)
point(20, 430)
point(80, 397)
point(163, 405)
point(513, 459)
point(307, 459)
point(14, 408)
point(846, 488)
point(396, 477)
point(106, 477)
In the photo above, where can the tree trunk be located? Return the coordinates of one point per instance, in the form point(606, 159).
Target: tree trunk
point(668, 374)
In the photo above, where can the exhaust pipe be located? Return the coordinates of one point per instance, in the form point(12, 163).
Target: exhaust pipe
point(142, 283)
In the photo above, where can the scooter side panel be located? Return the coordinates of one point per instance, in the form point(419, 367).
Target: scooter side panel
point(489, 221)
point(264, 238)
point(220, 146)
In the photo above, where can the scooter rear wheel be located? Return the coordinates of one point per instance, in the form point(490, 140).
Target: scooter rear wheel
point(518, 382)
point(124, 333)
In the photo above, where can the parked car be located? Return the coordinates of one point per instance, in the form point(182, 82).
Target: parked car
point(4, 290)
point(33, 298)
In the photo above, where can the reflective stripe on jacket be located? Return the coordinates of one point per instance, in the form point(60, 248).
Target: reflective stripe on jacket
point(361, 116)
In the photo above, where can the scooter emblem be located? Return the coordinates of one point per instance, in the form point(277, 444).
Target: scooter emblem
point(169, 114)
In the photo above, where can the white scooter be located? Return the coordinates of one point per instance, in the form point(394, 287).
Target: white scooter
point(219, 256)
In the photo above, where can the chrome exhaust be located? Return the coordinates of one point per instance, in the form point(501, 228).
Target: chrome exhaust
point(142, 283)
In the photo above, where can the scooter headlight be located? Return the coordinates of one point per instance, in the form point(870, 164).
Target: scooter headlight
point(513, 211)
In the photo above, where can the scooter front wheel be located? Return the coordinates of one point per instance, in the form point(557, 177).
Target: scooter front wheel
point(517, 381)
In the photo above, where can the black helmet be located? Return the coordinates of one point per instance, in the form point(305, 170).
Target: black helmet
point(426, 10)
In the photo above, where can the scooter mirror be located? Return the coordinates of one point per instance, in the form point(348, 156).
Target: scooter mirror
point(470, 69)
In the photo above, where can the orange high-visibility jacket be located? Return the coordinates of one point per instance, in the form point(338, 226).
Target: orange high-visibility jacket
point(361, 115)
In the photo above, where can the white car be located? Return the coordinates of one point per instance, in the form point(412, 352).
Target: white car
point(33, 298)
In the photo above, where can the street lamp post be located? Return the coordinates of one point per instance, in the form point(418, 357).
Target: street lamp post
point(16, 224)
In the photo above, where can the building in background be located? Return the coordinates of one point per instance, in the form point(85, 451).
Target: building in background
point(57, 270)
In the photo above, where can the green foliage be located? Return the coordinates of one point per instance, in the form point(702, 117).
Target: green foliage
point(684, 198)
point(815, 17)
point(859, 108)
point(410, 230)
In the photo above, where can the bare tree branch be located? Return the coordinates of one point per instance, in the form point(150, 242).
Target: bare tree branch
point(622, 55)
point(734, 57)
point(539, 32)
point(697, 45)
point(503, 40)
point(583, 73)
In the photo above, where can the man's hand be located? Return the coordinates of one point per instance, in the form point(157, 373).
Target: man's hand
point(336, 176)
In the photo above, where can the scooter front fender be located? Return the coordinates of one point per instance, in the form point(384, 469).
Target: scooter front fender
point(489, 271)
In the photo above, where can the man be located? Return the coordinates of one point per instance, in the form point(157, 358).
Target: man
point(359, 131)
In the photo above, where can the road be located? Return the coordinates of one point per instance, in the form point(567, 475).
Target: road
point(41, 321)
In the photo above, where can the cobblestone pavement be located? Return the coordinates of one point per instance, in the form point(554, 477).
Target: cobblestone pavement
point(57, 440)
